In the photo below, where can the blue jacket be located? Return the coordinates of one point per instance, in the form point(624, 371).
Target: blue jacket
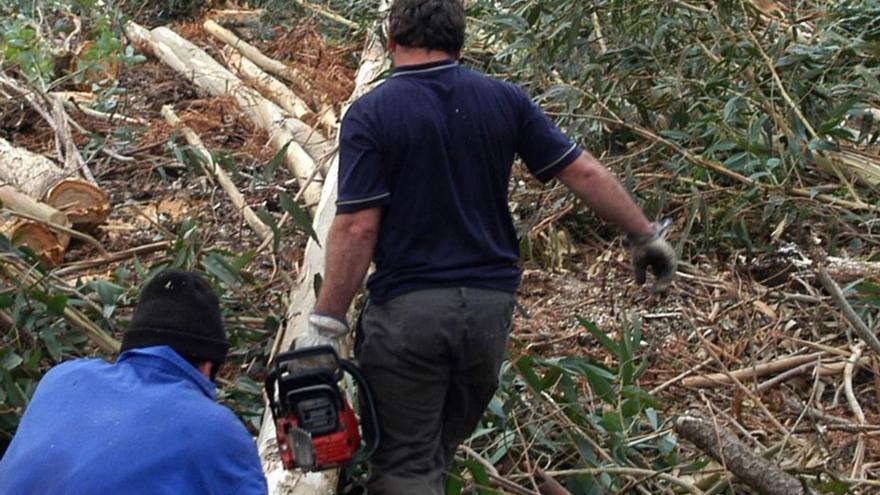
point(148, 424)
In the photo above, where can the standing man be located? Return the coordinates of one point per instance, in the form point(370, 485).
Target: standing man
point(425, 162)
point(147, 424)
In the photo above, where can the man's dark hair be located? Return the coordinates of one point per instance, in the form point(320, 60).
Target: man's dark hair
point(428, 24)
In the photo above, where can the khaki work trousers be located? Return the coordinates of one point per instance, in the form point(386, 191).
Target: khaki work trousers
point(432, 359)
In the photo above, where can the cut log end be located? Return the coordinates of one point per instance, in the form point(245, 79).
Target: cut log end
point(85, 204)
point(48, 246)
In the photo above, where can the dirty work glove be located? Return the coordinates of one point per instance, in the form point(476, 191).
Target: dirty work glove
point(322, 330)
point(653, 250)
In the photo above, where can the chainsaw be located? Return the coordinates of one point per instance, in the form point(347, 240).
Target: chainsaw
point(315, 425)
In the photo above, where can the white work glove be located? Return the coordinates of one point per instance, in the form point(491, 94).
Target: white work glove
point(322, 330)
point(653, 250)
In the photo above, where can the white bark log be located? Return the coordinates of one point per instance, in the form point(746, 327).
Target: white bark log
point(268, 64)
point(263, 231)
point(211, 76)
point(316, 144)
point(302, 299)
point(35, 175)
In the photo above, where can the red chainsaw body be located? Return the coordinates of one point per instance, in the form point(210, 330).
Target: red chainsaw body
point(330, 449)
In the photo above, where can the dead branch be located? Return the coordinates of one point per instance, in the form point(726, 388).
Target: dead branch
point(111, 258)
point(749, 467)
point(859, 455)
point(858, 325)
point(329, 14)
point(263, 231)
point(718, 379)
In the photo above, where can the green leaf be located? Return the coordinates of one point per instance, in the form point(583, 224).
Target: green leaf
point(835, 487)
point(269, 220)
point(454, 482)
point(216, 265)
point(299, 216)
point(600, 383)
point(56, 304)
point(602, 337)
point(245, 384)
point(481, 477)
point(277, 160)
point(9, 360)
point(526, 368)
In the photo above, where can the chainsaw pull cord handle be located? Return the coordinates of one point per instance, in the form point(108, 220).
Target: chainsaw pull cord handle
point(364, 388)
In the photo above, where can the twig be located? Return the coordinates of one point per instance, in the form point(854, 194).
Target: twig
point(859, 455)
point(755, 371)
point(858, 325)
point(627, 471)
point(111, 257)
point(329, 14)
point(493, 473)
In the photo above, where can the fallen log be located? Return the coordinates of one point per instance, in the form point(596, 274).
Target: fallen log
point(251, 52)
point(314, 142)
point(279, 93)
point(750, 468)
point(85, 204)
point(302, 299)
point(32, 228)
point(263, 231)
point(208, 74)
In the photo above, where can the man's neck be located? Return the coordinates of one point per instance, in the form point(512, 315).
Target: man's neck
point(415, 56)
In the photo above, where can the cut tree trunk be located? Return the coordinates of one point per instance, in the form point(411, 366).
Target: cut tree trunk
point(750, 468)
point(302, 299)
point(30, 225)
point(85, 204)
point(208, 74)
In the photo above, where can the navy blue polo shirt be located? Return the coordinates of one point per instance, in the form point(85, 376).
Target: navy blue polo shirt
point(433, 146)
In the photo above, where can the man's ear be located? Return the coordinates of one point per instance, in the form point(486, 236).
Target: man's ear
point(392, 44)
point(205, 368)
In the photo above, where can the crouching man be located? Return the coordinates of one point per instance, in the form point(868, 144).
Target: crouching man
point(146, 424)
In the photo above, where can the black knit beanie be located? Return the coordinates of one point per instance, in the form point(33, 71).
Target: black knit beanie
point(178, 308)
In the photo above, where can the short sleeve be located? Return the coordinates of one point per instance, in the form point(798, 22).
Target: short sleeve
point(544, 148)
point(363, 181)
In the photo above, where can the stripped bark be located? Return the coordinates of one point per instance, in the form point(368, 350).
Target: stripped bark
point(302, 299)
point(750, 468)
point(263, 231)
point(210, 75)
point(86, 205)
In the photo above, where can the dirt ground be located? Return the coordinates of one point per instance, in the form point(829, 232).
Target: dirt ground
point(715, 317)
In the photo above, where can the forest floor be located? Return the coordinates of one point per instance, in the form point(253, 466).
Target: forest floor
point(719, 315)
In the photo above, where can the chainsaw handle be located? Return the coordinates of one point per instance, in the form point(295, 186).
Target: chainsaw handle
point(364, 388)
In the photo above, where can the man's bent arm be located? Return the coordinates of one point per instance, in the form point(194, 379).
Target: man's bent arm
point(604, 194)
point(349, 249)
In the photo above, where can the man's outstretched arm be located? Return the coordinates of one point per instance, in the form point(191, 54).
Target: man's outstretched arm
point(350, 245)
point(604, 194)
